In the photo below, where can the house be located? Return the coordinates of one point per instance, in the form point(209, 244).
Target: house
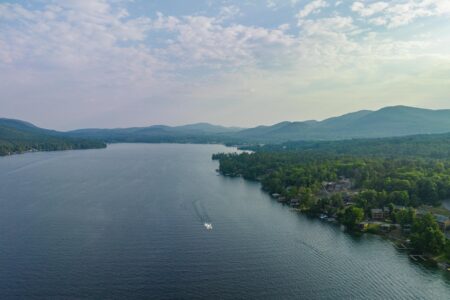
point(420, 213)
point(328, 186)
point(377, 214)
point(345, 183)
point(295, 202)
point(443, 221)
point(386, 211)
point(406, 228)
point(281, 199)
point(399, 207)
point(342, 185)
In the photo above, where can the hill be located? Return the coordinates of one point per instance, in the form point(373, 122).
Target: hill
point(386, 122)
point(192, 133)
point(18, 136)
point(395, 121)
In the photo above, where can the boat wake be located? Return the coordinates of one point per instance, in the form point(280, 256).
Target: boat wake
point(202, 214)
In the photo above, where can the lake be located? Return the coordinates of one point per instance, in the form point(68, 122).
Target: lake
point(128, 222)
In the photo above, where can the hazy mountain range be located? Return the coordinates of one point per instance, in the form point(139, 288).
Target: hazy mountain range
point(386, 122)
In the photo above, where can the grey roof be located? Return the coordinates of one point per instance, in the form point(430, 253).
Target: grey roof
point(441, 218)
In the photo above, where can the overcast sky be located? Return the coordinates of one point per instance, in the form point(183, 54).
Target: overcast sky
point(94, 63)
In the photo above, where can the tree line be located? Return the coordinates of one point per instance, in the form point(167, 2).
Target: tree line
point(406, 181)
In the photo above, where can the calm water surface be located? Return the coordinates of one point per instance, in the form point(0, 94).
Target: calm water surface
point(127, 222)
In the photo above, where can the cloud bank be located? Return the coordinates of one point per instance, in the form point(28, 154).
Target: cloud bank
point(78, 63)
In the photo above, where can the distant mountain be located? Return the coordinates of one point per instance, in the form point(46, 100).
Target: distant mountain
point(18, 136)
point(18, 124)
point(392, 121)
point(195, 133)
point(386, 122)
point(208, 128)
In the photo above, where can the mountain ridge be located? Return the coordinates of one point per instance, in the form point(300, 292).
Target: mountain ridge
point(391, 121)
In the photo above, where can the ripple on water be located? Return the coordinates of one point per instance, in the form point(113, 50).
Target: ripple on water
point(127, 222)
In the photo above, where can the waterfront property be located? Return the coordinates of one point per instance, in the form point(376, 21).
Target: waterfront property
point(295, 202)
point(443, 221)
point(377, 214)
point(342, 185)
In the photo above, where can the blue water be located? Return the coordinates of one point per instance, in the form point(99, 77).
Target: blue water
point(127, 222)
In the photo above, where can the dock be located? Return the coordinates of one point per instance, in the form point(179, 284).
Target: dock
point(418, 257)
point(401, 247)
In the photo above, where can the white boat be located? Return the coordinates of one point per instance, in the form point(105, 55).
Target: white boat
point(208, 226)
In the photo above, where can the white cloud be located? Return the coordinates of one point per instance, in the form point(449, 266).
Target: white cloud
point(370, 9)
point(271, 4)
point(399, 13)
point(229, 12)
point(82, 54)
point(311, 7)
point(205, 40)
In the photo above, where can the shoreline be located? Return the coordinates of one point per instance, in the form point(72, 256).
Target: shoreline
point(45, 151)
point(114, 143)
point(399, 242)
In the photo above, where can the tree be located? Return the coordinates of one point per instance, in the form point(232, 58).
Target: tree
point(337, 201)
point(399, 197)
point(391, 207)
point(352, 216)
point(427, 190)
point(405, 216)
point(307, 198)
point(426, 235)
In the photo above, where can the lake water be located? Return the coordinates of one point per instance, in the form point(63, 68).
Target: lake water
point(127, 222)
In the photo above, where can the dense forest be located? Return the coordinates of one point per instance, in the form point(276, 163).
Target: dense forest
point(402, 181)
point(20, 140)
point(415, 146)
point(400, 175)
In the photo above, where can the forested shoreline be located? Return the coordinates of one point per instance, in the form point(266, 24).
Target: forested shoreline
point(19, 147)
point(406, 182)
point(19, 137)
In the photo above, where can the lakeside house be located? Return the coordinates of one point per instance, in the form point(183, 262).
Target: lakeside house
point(282, 199)
point(342, 185)
point(377, 214)
point(443, 221)
point(406, 228)
point(399, 207)
point(295, 202)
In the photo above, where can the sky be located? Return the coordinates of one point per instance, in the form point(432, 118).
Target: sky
point(67, 64)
